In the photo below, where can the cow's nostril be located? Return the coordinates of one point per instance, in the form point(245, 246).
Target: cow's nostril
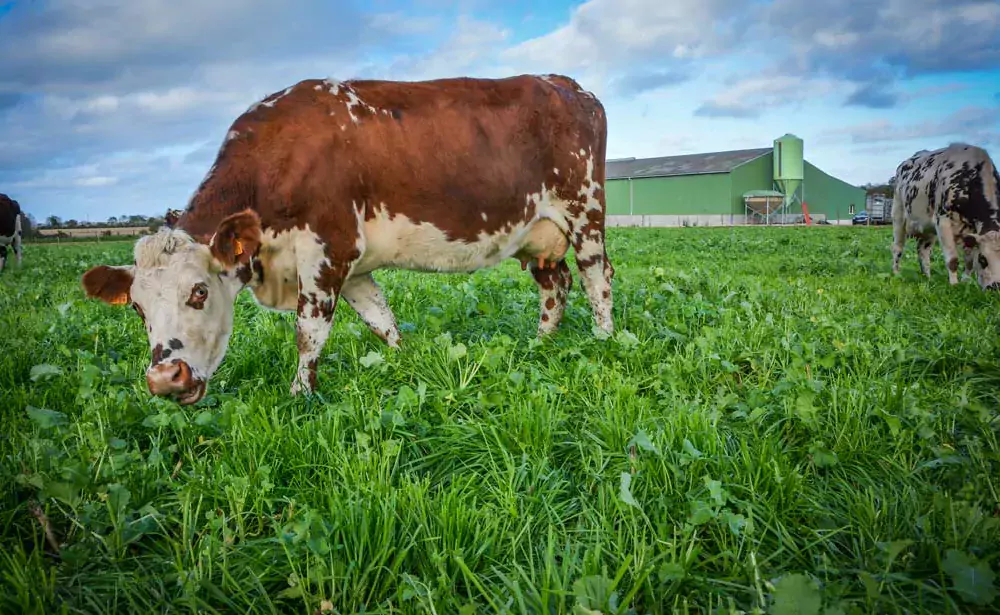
point(169, 378)
point(183, 374)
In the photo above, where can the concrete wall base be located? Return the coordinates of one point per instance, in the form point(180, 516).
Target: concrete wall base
point(709, 220)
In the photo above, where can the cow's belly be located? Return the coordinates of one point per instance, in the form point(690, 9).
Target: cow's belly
point(404, 244)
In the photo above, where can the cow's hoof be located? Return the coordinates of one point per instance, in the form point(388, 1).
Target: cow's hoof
point(298, 387)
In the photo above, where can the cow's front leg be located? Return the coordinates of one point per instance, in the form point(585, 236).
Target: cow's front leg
point(924, 244)
point(970, 262)
point(312, 328)
point(948, 249)
point(364, 295)
point(553, 288)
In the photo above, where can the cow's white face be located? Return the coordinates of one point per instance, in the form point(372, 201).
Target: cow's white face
point(987, 260)
point(185, 296)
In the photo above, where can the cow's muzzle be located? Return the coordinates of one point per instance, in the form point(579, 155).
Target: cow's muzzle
point(174, 379)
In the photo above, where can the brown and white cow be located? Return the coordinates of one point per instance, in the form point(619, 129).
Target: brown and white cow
point(952, 195)
point(319, 185)
point(10, 229)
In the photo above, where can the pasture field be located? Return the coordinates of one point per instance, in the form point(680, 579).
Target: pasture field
point(777, 426)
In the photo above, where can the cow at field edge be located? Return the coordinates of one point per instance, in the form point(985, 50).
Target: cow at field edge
point(10, 229)
point(317, 186)
point(952, 195)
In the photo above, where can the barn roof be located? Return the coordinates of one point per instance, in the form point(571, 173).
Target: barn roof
point(688, 164)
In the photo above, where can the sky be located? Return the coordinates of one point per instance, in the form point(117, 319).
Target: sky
point(110, 108)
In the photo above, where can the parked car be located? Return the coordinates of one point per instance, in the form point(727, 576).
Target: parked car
point(860, 218)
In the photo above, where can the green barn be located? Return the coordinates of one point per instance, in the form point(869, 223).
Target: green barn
point(751, 186)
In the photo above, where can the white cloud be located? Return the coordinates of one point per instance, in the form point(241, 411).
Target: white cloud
point(977, 124)
point(750, 97)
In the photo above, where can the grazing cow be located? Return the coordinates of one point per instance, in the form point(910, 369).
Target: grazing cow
point(951, 194)
point(10, 229)
point(319, 185)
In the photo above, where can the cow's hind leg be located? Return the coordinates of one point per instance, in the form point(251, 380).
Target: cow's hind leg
point(364, 295)
point(553, 288)
point(3, 257)
point(596, 271)
point(898, 243)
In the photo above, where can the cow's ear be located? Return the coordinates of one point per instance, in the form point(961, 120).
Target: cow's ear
point(111, 285)
point(237, 238)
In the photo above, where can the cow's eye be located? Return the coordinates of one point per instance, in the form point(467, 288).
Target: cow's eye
point(198, 295)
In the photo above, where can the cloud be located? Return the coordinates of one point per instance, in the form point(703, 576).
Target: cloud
point(632, 84)
point(976, 124)
point(862, 41)
point(868, 46)
point(603, 37)
point(750, 97)
point(874, 96)
point(69, 46)
point(471, 44)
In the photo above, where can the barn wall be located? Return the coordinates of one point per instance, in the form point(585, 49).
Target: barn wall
point(686, 195)
point(616, 192)
point(827, 195)
point(758, 174)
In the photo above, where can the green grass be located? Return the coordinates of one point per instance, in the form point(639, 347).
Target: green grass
point(778, 426)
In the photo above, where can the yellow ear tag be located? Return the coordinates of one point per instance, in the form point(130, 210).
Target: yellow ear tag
point(238, 247)
point(121, 299)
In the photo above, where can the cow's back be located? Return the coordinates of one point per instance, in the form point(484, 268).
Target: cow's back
point(461, 154)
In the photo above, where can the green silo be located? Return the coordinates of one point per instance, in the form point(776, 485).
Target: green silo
point(789, 167)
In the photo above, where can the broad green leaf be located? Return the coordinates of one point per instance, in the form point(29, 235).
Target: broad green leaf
point(691, 450)
point(973, 580)
point(371, 359)
point(458, 351)
point(736, 522)
point(118, 498)
point(823, 457)
point(894, 548)
point(46, 419)
point(625, 490)
point(44, 370)
point(626, 339)
point(719, 495)
point(796, 594)
point(641, 440)
point(701, 512)
point(407, 397)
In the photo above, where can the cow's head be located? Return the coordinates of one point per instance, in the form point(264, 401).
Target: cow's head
point(986, 258)
point(185, 292)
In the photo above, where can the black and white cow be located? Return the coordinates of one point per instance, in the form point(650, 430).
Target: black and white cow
point(10, 229)
point(952, 195)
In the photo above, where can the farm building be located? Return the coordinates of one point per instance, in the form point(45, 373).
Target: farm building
point(751, 186)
